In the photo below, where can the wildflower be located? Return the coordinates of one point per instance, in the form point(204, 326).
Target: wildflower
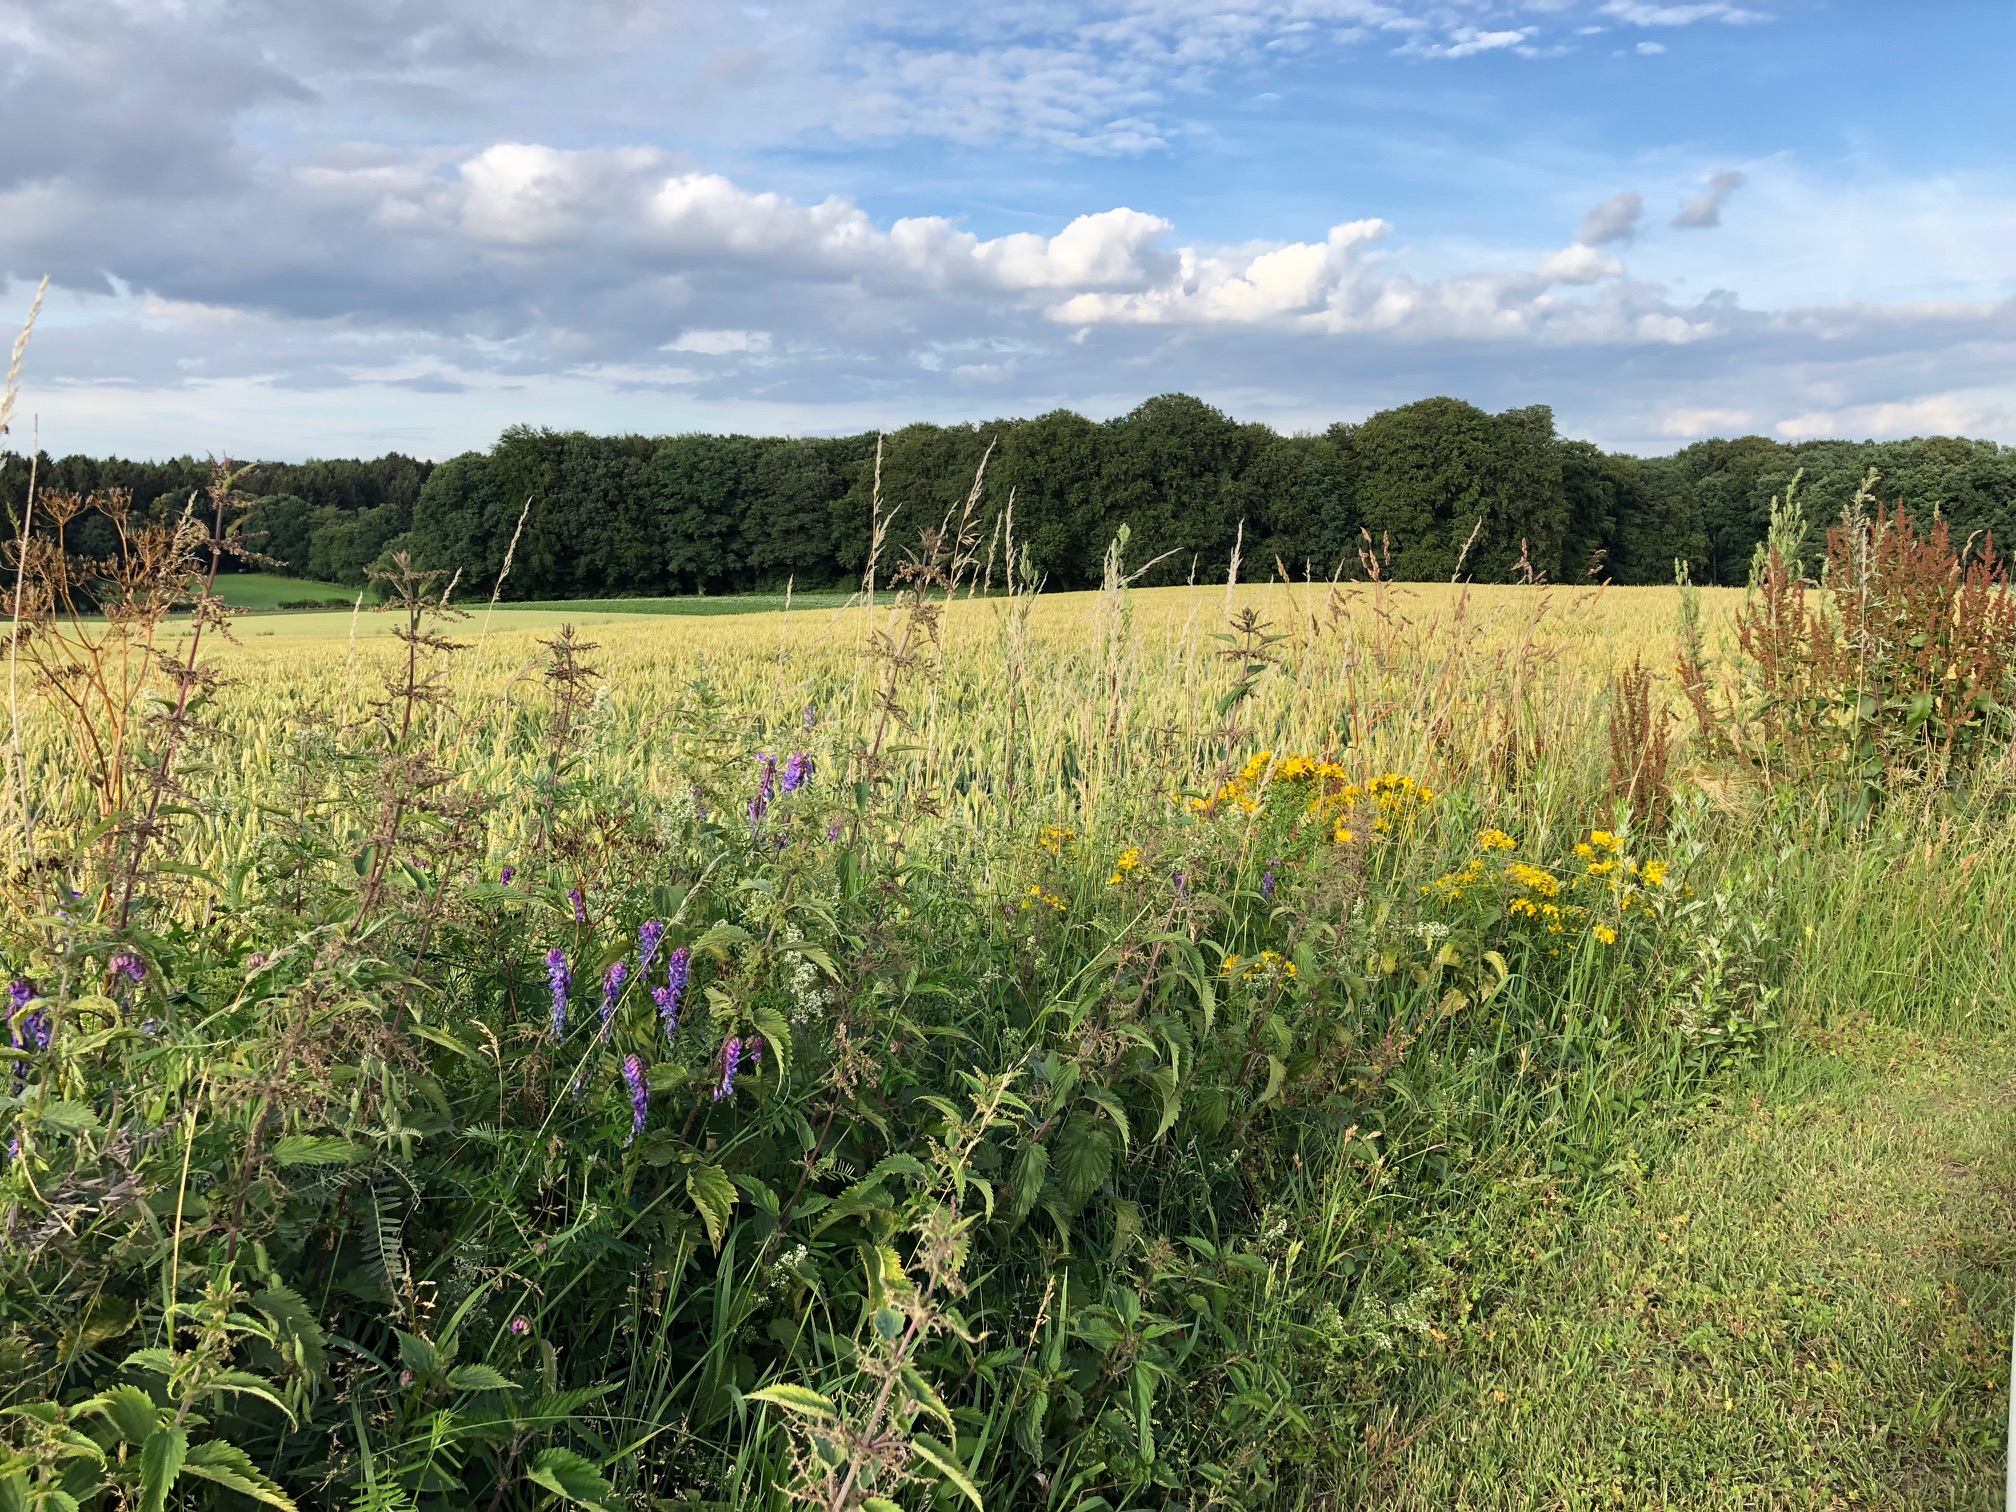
point(612, 989)
point(1605, 933)
point(1604, 840)
point(521, 1326)
point(1496, 840)
point(833, 831)
point(1533, 879)
point(753, 1048)
point(766, 789)
point(1054, 838)
point(677, 965)
point(1130, 860)
point(649, 933)
point(1230, 965)
point(1654, 872)
point(256, 961)
point(504, 877)
point(20, 993)
point(1048, 899)
point(797, 771)
point(128, 965)
point(580, 905)
point(699, 805)
point(640, 1095)
point(731, 1061)
point(1182, 886)
point(561, 980)
point(1267, 884)
point(1343, 834)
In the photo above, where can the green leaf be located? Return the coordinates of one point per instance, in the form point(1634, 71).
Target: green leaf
point(1084, 1160)
point(800, 1399)
point(231, 1467)
point(68, 1118)
point(318, 1150)
point(478, 1378)
point(570, 1477)
point(14, 1492)
point(1031, 1165)
point(946, 1463)
point(131, 1411)
point(161, 1460)
point(715, 1197)
point(417, 1355)
point(294, 1326)
point(776, 1032)
point(879, 1504)
point(1277, 1072)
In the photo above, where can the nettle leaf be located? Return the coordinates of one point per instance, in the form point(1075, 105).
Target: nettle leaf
point(571, 1478)
point(295, 1329)
point(417, 1355)
point(1084, 1159)
point(714, 1195)
point(776, 1032)
point(131, 1411)
point(799, 1399)
point(1031, 1165)
point(318, 1150)
point(942, 1459)
point(161, 1460)
point(478, 1378)
point(231, 1467)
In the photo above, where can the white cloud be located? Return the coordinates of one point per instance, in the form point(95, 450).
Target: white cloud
point(1651, 49)
point(1466, 42)
point(1641, 13)
point(1702, 211)
point(1616, 219)
point(720, 343)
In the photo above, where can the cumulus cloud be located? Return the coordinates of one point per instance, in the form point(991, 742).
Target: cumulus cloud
point(1616, 219)
point(1704, 210)
point(1643, 13)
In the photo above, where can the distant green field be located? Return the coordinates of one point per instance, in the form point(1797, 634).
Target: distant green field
point(267, 590)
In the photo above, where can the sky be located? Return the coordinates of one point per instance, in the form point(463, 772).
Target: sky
point(283, 230)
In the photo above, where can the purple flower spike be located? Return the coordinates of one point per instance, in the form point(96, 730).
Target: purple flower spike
point(129, 965)
point(20, 993)
point(521, 1326)
point(833, 831)
point(753, 1048)
point(797, 771)
point(677, 967)
point(507, 874)
point(731, 1062)
point(612, 989)
point(561, 980)
point(1267, 883)
point(640, 1095)
point(649, 933)
point(1182, 886)
point(580, 905)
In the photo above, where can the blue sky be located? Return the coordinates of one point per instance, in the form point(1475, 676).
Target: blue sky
point(285, 230)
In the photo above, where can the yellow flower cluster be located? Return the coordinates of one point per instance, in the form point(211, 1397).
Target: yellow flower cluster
point(1610, 879)
point(1268, 965)
point(1129, 861)
point(1043, 895)
point(1055, 839)
point(1393, 799)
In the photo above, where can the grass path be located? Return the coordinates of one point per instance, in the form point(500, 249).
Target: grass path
point(1799, 1299)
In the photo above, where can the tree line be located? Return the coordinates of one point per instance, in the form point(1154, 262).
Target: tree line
point(1428, 491)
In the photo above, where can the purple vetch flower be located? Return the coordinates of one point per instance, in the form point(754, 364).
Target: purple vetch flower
point(766, 789)
point(612, 989)
point(521, 1326)
point(699, 806)
point(128, 965)
point(561, 980)
point(833, 831)
point(1182, 886)
point(640, 1095)
point(507, 874)
point(580, 905)
point(649, 933)
point(677, 967)
point(753, 1048)
point(797, 771)
point(20, 993)
point(731, 1062)
point(1267, 883)
point(256, 961)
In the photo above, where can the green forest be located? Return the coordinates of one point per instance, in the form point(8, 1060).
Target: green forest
point(1421, 488)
